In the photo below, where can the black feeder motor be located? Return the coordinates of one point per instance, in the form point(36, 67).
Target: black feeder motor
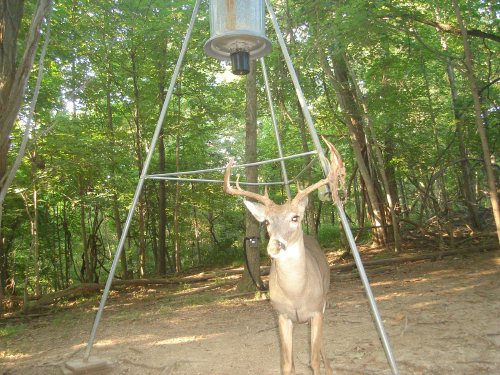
point(240, 62)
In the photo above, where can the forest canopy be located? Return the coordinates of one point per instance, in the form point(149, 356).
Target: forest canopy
point(407, 92)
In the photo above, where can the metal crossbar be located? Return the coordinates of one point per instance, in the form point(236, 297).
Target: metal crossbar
point(159, 176)
point(180, 179)
point(173, 176)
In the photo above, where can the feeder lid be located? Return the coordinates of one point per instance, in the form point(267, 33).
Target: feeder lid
point(222, 46)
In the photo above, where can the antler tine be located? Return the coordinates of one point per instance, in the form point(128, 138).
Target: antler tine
point(303, 193)
point(330, 178)
point(264, 199)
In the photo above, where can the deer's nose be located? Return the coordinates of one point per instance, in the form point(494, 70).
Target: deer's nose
point(274, 247)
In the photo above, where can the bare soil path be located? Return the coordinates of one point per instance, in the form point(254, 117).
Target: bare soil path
point(442, 317)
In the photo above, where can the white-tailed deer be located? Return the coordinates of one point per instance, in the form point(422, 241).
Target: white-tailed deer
point(300, 276)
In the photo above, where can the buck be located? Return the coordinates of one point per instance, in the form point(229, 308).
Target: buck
point(300, 276)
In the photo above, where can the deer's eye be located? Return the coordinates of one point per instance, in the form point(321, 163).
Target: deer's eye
point(296, 218)
point(266, 223)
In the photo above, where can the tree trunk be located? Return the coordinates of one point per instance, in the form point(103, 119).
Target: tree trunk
point(177, 206)
point(466, 182)
point(442, 194)
point(11, 13)
point(442, 206)
point(116, 206)
point(13, 76)
point(84, 270)
point(251, 274)
point(162, 208)
point(338, 76)
point(495, 204)
point(13, 79)
point(162, 189)
point(34, 233)
point(68, 252)
point(119, 231)
point(138, 143)
point(59, 256)
point(142, 238)
point(95, 243)
point(177, 203)
point(404, 205)
point(32, 214)
point(196, 230)
point(211, 228)
point(390, 194)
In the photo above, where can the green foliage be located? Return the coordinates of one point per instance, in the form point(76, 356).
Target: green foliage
point(11, 330)
point(330, 236)
point(108, 70)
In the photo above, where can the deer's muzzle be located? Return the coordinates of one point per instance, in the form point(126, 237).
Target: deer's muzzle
point(274, 247)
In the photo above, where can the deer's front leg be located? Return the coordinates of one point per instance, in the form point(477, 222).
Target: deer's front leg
point(286, 337)
point(316, 349)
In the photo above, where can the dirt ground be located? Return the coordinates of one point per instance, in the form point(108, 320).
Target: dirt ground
point(442, 317)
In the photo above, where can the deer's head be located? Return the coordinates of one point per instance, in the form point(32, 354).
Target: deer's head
point(283, 222)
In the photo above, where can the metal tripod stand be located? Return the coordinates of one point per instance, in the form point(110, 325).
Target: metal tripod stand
point(174, 176)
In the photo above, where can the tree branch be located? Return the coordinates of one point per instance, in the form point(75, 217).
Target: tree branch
point(451, 29)
point(443, 27)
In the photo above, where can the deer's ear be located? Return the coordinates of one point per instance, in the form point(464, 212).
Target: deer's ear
point(258, 210)
point(302, 204)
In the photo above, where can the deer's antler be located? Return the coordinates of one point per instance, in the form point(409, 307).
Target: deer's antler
point(264, 199)
point(336, 170)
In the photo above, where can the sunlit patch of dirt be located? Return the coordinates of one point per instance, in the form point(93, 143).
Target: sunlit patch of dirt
point(441, 317)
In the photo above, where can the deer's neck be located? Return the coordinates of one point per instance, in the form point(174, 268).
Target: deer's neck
point(291, 266)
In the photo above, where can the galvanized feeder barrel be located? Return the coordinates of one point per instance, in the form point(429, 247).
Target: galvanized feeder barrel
point(237, 32)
